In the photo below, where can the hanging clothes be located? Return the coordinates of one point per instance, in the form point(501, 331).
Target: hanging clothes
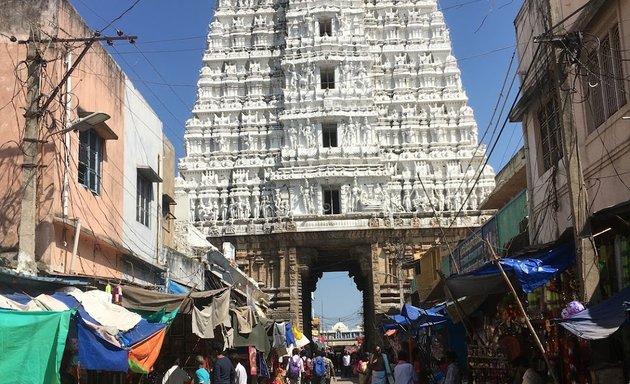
point(261, 365)
point(202, 324)
point(288, 336)
point(279, 332)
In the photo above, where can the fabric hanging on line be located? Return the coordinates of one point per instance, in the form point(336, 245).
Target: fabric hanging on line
point(37, 361)
point(300, 340)
point(288, 335)
point(245, 319)
point(147, 300)
point(117, 295)
point(296, 332)
point(202, 325)
point(257, 338)
point(278, 335)
point(261, 365)
point(221, 309)
point(143, 355)
point(228, 337)
point(96, 353)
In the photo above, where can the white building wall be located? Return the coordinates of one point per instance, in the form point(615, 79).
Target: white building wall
point(143, 147)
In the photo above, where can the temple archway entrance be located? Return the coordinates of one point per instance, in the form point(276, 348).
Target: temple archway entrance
point(287, 266)
point(337, 314)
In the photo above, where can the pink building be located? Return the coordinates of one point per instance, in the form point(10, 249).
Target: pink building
point(83, 178)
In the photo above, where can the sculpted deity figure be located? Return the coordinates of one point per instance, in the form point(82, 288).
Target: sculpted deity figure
point(247, 141)
point(356, 196)
point(309, 136)
point(401, 59)
point(407, 201)
point(215, 212)
point(254, 66)
point(345, 198)
point(292, 136)
point(256, 211)
point(224, 208)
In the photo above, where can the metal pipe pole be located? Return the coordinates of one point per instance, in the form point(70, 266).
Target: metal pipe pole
point(496, 261)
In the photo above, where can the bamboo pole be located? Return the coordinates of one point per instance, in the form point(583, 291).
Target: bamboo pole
point(495, 260)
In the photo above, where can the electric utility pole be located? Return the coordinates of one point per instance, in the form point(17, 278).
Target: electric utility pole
point(28, 222)
point(32, 119)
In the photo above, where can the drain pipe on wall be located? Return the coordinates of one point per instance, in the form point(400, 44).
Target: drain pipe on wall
point(75, 246)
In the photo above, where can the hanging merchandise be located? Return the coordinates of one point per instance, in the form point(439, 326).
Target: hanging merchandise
point(117, 294)
point(252, 361)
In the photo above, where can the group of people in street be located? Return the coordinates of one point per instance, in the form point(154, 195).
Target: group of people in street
point(302, 369)
point(226, 369)
point(382, 368)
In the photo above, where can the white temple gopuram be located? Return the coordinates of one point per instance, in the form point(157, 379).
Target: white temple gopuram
point(319, 115)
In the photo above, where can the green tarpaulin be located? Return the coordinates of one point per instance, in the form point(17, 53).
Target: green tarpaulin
point(32, 345)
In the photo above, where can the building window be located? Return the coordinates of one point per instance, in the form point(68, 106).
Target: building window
point(328, 78)
point(550, 133)
point(604, 85)
point(144, 196)
point(329, 135)
point(90, 160)
point(331, 202)
point(325, 27)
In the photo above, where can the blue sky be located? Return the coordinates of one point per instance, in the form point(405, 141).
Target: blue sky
point(164, 65)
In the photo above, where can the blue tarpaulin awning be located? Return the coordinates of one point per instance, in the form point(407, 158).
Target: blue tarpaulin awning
point(526, 274)
point(175, 288)
point(416, 317)
point(601, 320)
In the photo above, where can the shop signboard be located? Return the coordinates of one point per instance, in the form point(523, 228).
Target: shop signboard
point(471, 252)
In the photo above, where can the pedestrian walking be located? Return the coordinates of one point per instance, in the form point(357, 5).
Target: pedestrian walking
point(308, 368)
point(330, 370)
point(223, 371)
point(202, 376)
point(175, 374)
point(403, 371)
point(376, 366)
point(346, 364)
point(361, 369)
point(295, 367)
point(239, 369)
point(319, 368)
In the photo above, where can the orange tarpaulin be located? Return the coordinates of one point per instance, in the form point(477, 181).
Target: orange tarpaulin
point(143, 355)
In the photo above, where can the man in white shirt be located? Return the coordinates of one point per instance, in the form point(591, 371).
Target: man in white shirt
point(346, 364)
point(175, 375)
point(241, 373)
